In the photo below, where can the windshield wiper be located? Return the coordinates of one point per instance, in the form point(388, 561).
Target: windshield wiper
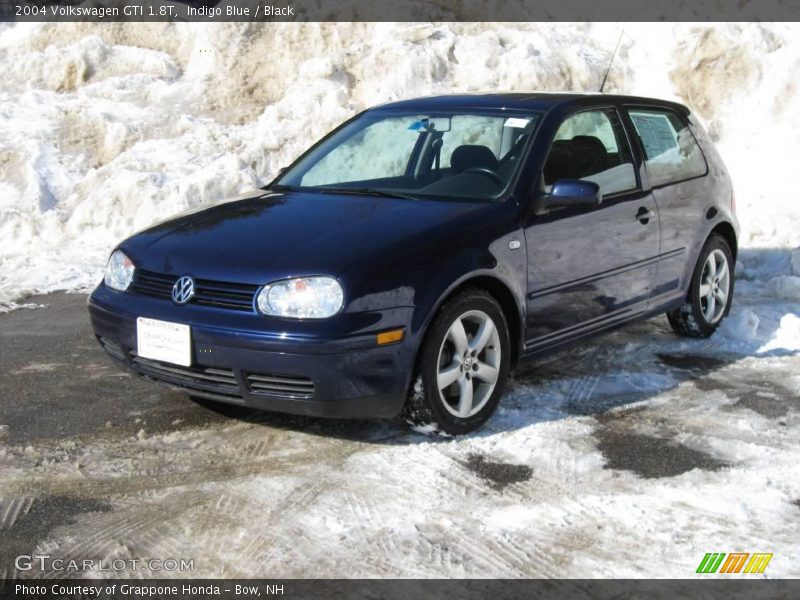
point(279, 187)
point(366, 192)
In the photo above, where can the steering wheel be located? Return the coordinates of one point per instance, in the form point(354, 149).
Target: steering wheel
point(486, 172)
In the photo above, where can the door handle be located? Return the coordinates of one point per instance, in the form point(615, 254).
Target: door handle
point(644, 215)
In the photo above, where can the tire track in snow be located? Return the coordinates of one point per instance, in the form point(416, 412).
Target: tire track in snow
point(151, 512)
point(12, 508)
point(377, 543)
point(481, 555)
point(489, 556)
point(263, 552)
point(110, 530)
point(151, 471)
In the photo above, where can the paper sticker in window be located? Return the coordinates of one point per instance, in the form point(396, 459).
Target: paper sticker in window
point(516, 122)
point(656, 133)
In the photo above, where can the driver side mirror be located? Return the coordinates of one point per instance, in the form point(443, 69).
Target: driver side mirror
point(572, 192)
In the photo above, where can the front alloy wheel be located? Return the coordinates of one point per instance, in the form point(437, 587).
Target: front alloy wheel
point(469, 364)
point(462, 366)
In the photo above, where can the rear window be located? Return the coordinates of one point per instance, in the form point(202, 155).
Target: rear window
point(671, 152)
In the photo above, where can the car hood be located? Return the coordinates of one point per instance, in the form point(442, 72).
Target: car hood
point(266, 235)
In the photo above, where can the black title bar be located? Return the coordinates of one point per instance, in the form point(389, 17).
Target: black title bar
point(397, 10)
point(400, 589)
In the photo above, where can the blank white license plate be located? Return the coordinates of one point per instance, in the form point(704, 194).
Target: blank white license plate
point(164, 341)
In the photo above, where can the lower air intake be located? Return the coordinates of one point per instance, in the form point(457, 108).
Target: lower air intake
point(283, 386)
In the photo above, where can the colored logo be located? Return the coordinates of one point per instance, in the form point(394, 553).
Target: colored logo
point(734, 562)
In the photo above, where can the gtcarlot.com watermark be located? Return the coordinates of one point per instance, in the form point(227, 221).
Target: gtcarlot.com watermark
point(50, 564)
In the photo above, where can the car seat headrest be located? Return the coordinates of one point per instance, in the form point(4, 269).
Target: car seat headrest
point(470, 156)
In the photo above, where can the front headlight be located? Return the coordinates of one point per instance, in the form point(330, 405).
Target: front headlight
point(302, 298)
point(119, 271)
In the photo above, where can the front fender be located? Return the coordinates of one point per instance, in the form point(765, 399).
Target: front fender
point(503, 273)
point(423, 269)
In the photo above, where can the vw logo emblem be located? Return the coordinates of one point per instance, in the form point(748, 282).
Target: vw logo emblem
point(183, 290)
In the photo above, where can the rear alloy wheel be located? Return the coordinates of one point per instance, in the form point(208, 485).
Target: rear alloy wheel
point(710, 293)
point(462, 368)
point(715, 284)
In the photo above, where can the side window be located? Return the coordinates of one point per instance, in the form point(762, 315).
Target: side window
point(671, 152)
point(345, 163)
point(591, 145)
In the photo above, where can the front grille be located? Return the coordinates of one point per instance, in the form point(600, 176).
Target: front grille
point(153, 284)
point(221, 294)
point(218, 381)
point(284, 386)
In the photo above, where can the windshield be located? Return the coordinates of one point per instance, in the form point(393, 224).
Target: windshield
point(449, 154)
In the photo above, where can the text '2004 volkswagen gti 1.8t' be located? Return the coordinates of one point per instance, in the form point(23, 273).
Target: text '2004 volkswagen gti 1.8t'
point(406, 262)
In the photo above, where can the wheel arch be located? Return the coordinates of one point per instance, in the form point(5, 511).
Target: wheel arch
point(728, 233)
point(501, 291)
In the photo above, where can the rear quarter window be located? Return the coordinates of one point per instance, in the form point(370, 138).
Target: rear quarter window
point(671, 152)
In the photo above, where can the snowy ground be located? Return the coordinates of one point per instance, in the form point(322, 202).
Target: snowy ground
point(631, 456)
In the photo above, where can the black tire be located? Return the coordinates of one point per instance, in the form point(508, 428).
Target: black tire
point(426, 408)
point(689, 320)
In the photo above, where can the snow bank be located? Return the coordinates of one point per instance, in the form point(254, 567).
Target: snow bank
point(104, 130)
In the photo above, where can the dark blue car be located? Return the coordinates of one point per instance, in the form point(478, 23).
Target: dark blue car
point(410, 259)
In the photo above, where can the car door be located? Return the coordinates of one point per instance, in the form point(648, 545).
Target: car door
point(675, 169)
point(590, 267)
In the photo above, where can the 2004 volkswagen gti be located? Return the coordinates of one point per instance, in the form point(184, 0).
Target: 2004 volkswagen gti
point(406, 262)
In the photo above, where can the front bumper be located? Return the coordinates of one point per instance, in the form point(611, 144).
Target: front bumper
point(271, 364)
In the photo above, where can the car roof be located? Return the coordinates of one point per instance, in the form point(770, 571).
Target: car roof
point(524, 101)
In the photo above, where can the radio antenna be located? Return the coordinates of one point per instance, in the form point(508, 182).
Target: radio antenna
point(611, 62)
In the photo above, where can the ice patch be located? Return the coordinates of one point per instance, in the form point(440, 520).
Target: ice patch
point(39, 368)
point(9, 306)
point(511, 518)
